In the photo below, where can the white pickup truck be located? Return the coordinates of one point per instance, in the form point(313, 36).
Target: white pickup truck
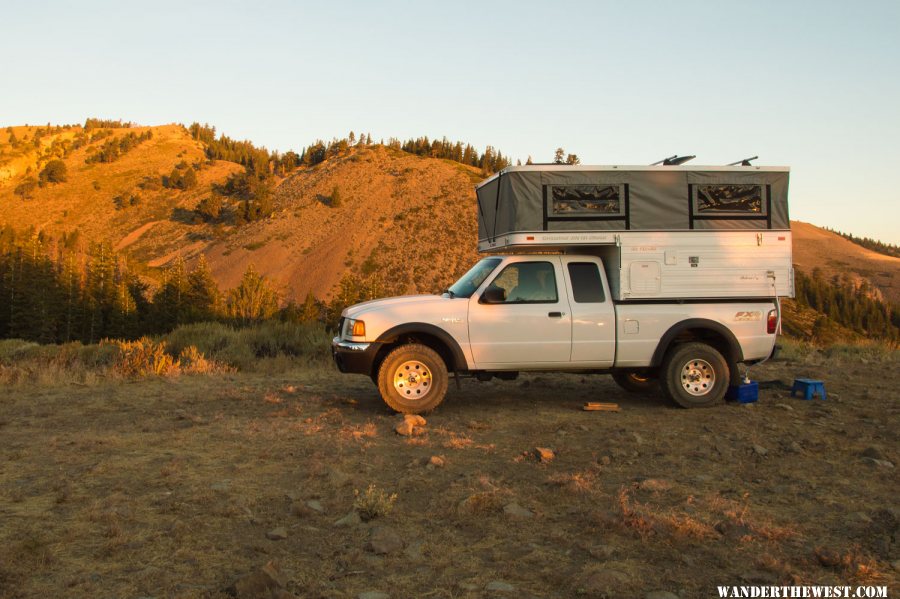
point(551, 312)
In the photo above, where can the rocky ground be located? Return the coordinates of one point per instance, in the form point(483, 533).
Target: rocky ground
point(299, 484)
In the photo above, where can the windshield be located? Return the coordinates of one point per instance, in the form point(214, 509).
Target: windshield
point(470, 281)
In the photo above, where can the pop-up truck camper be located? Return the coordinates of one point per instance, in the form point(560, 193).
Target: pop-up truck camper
point(666, 277)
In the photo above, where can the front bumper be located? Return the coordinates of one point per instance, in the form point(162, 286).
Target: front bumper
point(352, 357)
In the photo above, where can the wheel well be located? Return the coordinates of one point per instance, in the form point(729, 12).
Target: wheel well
point(723, 341)
point(426, 339)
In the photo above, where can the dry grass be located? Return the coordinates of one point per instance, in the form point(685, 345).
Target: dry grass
point(166, 486)
point(205, 348)
point(804, 352)
point(373, 502)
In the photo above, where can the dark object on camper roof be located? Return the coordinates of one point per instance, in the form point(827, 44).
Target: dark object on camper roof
point(637, 198)
point(743, 161)
point(674, 160)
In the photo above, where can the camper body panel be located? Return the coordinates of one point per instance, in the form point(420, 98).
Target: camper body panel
point(640, 327)
point(675, 264)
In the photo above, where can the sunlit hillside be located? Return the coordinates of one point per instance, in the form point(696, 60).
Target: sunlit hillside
point(325, 222)
point(397, 212)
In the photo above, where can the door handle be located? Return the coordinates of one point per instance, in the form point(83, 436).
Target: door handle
point(556, 314)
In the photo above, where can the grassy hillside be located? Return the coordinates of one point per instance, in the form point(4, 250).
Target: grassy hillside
point(357, 216)
point(398, 211)
point(815, 247)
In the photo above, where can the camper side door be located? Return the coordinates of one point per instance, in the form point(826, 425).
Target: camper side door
point(521, 317)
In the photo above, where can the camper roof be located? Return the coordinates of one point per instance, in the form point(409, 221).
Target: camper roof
point(629, 167)
point(559, 197)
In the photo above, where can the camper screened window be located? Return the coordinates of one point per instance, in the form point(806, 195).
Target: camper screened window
point(713, 200)
point(585, 200)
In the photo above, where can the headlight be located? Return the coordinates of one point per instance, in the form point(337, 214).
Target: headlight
point(355, 328)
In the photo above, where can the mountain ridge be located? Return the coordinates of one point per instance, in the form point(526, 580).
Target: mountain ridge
point(404, 219)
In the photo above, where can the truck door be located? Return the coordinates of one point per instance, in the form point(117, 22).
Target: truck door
point(593, 314)
point(522, 317)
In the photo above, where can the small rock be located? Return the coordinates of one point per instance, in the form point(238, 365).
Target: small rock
point(277, 534)
point(637, 438)
point(301, 510)
point(499, 586)
point(784, 406)
point(468, 585)
point(515, 510)
point(414, 551)
point(411, 424)
point(874, 462)
point(795, 447)
point(660, 595)
point(376, 562)
point(828, 558)
point(896, 565)
point(338, 478)
point(315, 505)
point(861, 517)
point(604, 581)
point(435, 461)
point(655, 484)
point(222, 485)
point(605, 460)
point(373, 595)
point(350, 520)
point(601, 552)
point(872, 452)
point(759, 577)
point(263, 582)
point(544, 454)
point(760, 450)
point(384, 541)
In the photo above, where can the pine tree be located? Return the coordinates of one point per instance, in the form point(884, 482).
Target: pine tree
point(204, 299)
point(170, 302)
point(253, 300)
point(310, 310)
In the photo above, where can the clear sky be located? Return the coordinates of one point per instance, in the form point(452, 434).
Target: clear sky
point(811, 85)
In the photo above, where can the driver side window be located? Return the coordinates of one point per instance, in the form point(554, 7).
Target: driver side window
point(527, 283)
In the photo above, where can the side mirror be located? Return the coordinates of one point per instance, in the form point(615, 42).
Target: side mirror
point(493, 295)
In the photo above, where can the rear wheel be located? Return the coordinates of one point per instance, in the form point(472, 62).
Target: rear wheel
point(413, 379)
point(635, 381)
point(694, 375)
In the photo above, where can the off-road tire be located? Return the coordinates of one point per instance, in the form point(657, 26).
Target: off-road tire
point(694, 375)
point(635, 381)
point(413, 379)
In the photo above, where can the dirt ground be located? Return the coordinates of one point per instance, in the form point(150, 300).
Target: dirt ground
point(172, 488)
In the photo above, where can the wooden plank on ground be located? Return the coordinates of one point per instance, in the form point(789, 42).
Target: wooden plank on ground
point(596, 406)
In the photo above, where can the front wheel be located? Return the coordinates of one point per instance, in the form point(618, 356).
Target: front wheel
point(635, 381)
point(413, 379)
point(694, 375)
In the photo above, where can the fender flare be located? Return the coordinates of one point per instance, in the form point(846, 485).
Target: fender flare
point(735, 352)
point(459, 357)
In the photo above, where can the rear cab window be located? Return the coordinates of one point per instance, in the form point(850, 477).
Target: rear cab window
point(587, 285)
